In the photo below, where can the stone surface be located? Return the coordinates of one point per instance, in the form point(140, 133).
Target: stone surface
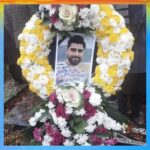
point(23, 110)
point(11, 89)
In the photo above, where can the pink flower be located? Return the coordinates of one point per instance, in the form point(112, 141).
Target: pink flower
point(37, 134)
point(95, 140)
point(100, 130)
point(86, 95)
point(49, 128)
point(110, 141)
point(61, 112)
point(53, 19)
point(58, 138)
point(90, 111)
point(53, 98)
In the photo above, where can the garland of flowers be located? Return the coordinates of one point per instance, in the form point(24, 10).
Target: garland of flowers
point(114, 54)
point(74, 115)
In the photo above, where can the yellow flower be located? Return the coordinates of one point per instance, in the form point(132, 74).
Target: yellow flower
point(38, 21)
point(100, 52)
point(105, 22)
point(107, 9)
point(124, 30)
point(49, 86)
point(33, 88)
point(131, 55)
point(124, 54)
point(116, 18)
point(109, 89)
point(113, 37)
point(36, 76)
point(25, 72)
point(112, 70)
point(128, 53)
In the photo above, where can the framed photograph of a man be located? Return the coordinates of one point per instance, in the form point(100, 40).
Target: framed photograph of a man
point(74, 58)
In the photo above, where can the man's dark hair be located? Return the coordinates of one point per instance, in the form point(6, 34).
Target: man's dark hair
point(76, 39)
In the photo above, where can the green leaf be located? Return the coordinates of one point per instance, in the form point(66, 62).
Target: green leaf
point(103, 135)
point(46, 22)
point(78, 124)
point(33, 142)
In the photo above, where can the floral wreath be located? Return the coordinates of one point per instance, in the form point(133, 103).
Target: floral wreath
point(78, 119)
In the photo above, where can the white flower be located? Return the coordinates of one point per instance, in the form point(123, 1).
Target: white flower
point(100, 117)
point(91, 89)
point(69, 110)
point(59, 25)
point(118, 127)
point(112, 22)
point(47, 140)
point(68, 142)
point(120, 72)
point(36, 83)
point(90, 128)
point(42, 111)
point(72, 97)
point(61, 122)
point(37, 115)
point(94, 9)
point(105, 43)
point(30, 49)
point(48, 36)
point(95, 99)
point(60, 98)
point(102, 14)
point(32, 121)
point(54, 116)
point(84, 12)
point(50, 105)
point(92, 120)
point(80, 86)
point(84, 23)
point(31, 23)
point(81, 138)
point(109, 123)
point(107, 94)
point(116, 30)
point(39, 69)
point(68, 13)
point(43, 93)
point(86, 144)
point(43, 79)
point(106, 78)
point(80, 112)
point(27, 62)
point(45, 143)
point(30, 77)
point(104, 68)
point(65, 132)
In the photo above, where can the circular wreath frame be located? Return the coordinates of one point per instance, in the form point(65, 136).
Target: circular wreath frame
point(114, 54)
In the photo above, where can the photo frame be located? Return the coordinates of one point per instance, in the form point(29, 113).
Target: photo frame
point(81, 71)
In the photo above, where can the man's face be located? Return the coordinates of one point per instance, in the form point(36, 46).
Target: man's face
point(75, 53)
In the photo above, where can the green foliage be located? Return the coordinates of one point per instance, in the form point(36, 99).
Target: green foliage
point(114, 113)
point(78, 124)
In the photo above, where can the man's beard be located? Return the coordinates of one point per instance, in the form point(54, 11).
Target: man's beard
point(74, 60)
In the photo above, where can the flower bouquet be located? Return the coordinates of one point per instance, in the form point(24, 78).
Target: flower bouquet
point(74, 116)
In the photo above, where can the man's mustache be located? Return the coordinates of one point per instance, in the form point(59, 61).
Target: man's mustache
point(75, 57)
